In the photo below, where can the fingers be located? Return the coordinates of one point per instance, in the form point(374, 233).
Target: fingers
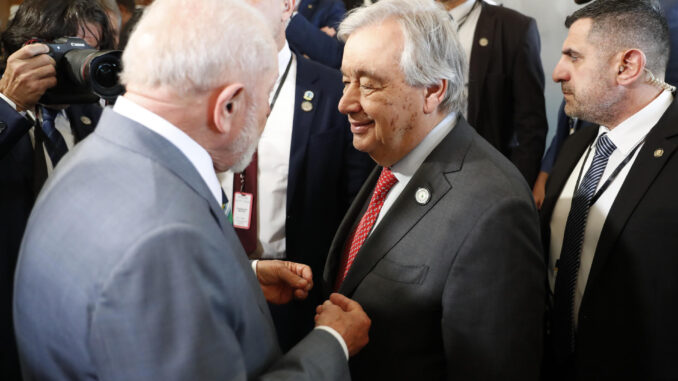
point(301, 270)
point(29, 51)
point(291, 278)
point(29, 73)
point(345, 303)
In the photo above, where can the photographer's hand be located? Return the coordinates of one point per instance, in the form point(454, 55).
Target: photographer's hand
point(29, 73)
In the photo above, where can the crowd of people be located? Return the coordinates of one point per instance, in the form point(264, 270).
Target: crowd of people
point(287, 190)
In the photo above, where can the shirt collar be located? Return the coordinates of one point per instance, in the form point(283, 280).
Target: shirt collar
point(408, 165)
point(633, 130)
point(197, 155)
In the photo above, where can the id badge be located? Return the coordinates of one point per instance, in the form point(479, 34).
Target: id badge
point(242, 210)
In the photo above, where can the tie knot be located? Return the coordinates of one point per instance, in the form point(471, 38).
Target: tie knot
point(604, 146)
point(386, 181)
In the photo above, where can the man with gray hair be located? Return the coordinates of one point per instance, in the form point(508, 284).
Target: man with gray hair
point(609, 216)
point(441, 246)
point(129, 268)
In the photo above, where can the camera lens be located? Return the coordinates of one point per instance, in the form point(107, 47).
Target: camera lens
point(106, 74)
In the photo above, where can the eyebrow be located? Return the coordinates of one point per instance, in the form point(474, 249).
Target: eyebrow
point(570, 52)
point(365, 73)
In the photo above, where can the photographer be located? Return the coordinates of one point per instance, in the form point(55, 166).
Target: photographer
point(32, 137)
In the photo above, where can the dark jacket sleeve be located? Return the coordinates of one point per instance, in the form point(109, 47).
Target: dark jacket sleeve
point(529, 116)
point(309, 40)
point(13, 126)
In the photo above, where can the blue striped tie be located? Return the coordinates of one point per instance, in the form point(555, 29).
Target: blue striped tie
point(570, 255)
point(56, 145)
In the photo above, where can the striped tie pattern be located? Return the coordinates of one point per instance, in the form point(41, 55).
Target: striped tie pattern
point(570, 255)
point(386, 181)
point(55, 144)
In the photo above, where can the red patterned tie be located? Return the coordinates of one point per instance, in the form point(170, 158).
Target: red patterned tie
point(355, 241)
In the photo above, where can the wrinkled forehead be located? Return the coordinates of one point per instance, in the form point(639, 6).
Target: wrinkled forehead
point(374, 48)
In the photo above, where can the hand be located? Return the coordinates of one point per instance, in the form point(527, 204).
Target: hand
point(346, 317)
point(29, 73)
point(539, 190)
point(329, 31)
point(282, 280)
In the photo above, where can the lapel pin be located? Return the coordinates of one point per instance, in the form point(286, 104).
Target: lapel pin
point(658, 152)
point(85, 120)
point(306, 106)
point(308, 95)
point(483, 42)
point(422, 196)
point(310, 6)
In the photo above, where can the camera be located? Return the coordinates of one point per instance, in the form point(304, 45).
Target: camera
point(84, 74)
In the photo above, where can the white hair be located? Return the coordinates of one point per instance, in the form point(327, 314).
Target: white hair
point(432, 50)
point(195, 46)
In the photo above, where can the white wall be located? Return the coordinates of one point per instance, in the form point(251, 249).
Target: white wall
point(550, 16)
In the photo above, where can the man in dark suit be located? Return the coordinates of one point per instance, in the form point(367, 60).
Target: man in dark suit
point(27, 74)
point(311, 31)
point(129, 268)
point(307, 173)
point(447, 261)
point(505, 82)
point(609, 216)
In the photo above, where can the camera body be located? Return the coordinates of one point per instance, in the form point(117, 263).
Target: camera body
point(84, 74)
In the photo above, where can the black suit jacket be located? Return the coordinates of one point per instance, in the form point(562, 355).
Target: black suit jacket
point(506, 87)
point(454, 286)
point(627, 319)
point(325, 173)
point(22, 173)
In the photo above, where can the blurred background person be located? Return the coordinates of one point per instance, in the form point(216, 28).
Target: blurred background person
point(34, 137)
point(505, 86)
point(306, 171)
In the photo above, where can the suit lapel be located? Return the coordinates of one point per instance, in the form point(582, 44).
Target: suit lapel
point(480, 59)
point(83, 119)
point(436, 175)
point(643, 172)
point(302, 123)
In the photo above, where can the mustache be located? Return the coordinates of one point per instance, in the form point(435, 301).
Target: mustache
point(565, 88)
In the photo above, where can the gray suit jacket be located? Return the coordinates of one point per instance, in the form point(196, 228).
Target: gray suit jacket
point(129, 270)
point(455, 288)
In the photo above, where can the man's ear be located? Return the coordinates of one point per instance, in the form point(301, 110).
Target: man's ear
point(228, 102)
point(434, 96)
point(289, 6)
point(630, 67)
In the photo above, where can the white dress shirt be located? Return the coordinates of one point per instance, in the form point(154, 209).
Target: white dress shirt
point(406, 167)
point(193, 151)
point(626, 136)
point(273, 154)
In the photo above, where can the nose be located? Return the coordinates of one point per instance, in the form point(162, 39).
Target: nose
point(350, 100)
point(560, 74)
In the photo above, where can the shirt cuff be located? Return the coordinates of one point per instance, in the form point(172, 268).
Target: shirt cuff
point(254, 266)
point(9, 101)
point(336, 335)
point(29, 114)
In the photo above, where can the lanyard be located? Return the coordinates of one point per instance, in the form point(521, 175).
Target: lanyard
point(275, 98)
point(612, 177)
point(463, 19)
point(282, 82)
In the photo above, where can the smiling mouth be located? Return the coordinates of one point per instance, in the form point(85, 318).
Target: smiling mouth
point(360, 127)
